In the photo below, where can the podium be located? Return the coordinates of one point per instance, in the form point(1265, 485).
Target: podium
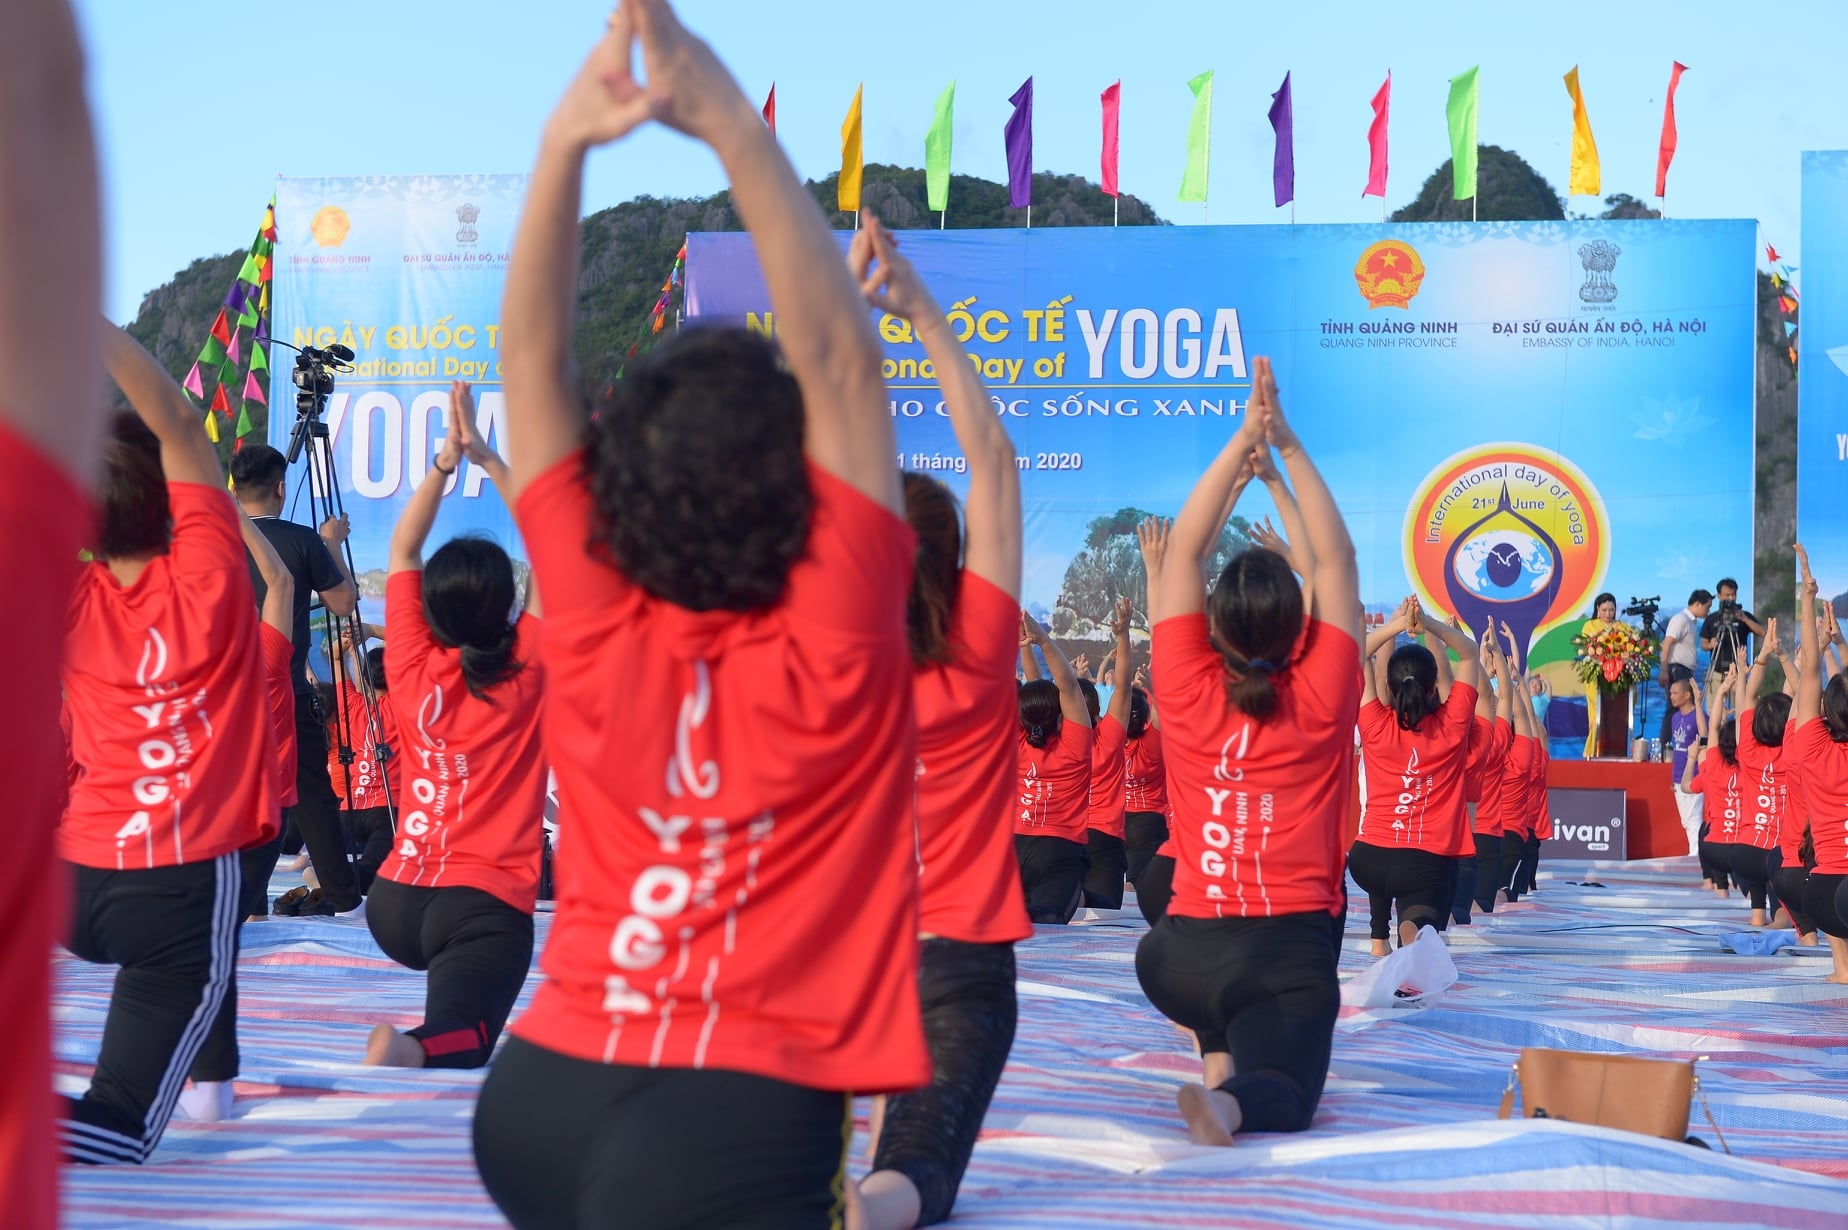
point(1614, 724)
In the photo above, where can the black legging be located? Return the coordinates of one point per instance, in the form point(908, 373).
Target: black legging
point(1052, 872)
point(369, 837)
point(1747, 864)
point(1713, 857)
point(1156, 888)
point(1792, 883)
point(1418, 882)
point(1262, 989)
point(1488, 870)
point(477, 949)
point(1528, 869)
point(565, 1142)
point(1103, 883)
point(1823, 901)
point(1513, 850)
point(1143, 834)
point(967, 991)
point(1464, 890)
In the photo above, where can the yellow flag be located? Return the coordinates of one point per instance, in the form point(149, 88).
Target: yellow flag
point(847, 195)
point(1584, 179)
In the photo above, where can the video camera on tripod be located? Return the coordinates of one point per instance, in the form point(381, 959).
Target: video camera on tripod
point(1645, 609)
point(314, 378)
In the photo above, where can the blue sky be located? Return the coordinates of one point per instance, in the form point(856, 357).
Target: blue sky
point(408, 86)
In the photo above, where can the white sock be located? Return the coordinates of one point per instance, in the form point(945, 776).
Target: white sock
point(357, 912)
point(205, 1102)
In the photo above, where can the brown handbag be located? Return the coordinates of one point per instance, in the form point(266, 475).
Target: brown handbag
point(1649, 1096)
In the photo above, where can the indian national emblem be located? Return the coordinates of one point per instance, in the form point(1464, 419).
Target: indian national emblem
point(1599, 257)
point(466, 215)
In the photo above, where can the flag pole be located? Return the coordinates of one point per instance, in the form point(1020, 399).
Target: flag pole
point(1115, 205)
point(856, 219)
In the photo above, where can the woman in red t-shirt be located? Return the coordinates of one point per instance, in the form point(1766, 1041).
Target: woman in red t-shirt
point(1820, 750)
point(1514, 811)
point(171, 727)
point(1537, 821)
point(1414, 752)
point(962, 620)
point(725, 565)
point(1104, 848)
point(455, 898)
point(1145, 786)
point(1771, 775)
point(360, 727)
point(1491, 736)
point(1053, 808)
point(1258, 691)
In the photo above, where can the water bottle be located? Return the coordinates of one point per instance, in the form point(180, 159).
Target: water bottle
point(1655, 749)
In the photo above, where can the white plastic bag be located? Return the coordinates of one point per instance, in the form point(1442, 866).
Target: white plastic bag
point(1413, 977)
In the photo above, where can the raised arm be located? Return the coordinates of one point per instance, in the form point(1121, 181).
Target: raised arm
point(413, 528)
point(1029, 665)
point(186, 453)
point(474, 449)
point(1767, 650)
point(1335, 594)
point(1152, 541)
point(50, 240)
point(1503, 670)
point(1071, 700)
point(1120, 693)
point(1388, 632)
point(1456, 641)
point(991, 510)
point(1197, 528)
point(278, 609)
point(1808, 702)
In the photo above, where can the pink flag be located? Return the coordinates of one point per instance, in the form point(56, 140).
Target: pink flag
point(231, 346)
point(193, 384)
point(254, 391)
point(770, 109)
point(1665, 152)
point(1376, 141)
point(1112, 100)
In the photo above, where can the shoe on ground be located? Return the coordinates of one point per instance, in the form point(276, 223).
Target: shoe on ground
point(289, 905)
point(205, 1102)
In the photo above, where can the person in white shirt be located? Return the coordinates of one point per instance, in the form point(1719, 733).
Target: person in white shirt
point(1682, 640)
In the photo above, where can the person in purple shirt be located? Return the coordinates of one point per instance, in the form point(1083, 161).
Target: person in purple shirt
point(1683, 730)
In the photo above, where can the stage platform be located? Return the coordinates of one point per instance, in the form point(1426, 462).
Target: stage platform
point(1083, 1132)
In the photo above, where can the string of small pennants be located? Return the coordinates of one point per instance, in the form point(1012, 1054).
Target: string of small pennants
point(235, 358)
point(657, 318)
point(1786, 297)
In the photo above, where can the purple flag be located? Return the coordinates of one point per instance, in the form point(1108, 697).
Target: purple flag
point(1283, 162)
point(235, 300)
point(1019, 134)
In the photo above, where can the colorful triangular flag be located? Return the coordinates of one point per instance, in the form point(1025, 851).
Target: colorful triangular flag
point(1776, 281)
point(234, 300)
point(258, 360)
point(1793, 356)
point(244, 425)
point(1790, 327)
point(213, 352)
point(248, 316)
point(193, 384)
point(231, 348)
point(253, 390)
point(1771, 254)
point(249, 272)
point(211, 427)
point(263, 317)
point(221, 328)
point(227, 375)
point(220, 402)
point(1786, 303)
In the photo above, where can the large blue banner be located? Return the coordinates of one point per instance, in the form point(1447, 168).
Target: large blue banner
point(1822, 356)
point(1513, 416)
point(408, 271)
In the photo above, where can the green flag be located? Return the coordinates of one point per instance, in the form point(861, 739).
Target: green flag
point(213, 353)
point(1199, 138)
point(937, 151)
point(259, 362)
point(244, 425)
point(249, 271)
point(1460, 112)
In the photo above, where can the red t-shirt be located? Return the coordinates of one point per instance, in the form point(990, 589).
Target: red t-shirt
point(1823, 764)
point(1258, 806)
point(1720, 783)
point(1488, 745)
point(46, 519)
point(1108, 763)
point(362, 778)
point(1796, 816)
point(1497, 770)
point(474, 817)
point(1415, 777)
point(737, 803)
point(1764, 789)
point(1055, 784)
point(1539, 803)
point(968, 710)
point(169, 709)
point(1145, 773)
point(1516, 809)
point(279, 689)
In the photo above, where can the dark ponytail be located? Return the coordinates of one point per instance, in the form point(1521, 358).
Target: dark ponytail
point(1728, 742)
point(1835, 708)
point(936, 570)
point(1769, 716)
point(1411, 673)
point(1255, 613)
point(468, 597)
point(1138, 712)
point(1040, 713)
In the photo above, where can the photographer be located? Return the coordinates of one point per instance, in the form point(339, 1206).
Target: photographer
point(1729, 628)
point(1681, 642)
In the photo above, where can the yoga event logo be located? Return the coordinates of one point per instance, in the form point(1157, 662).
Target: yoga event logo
point(1389, 274)
point(1507, 532)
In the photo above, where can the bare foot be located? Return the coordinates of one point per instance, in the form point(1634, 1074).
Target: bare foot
point(883, 1200)
point(1408, 934)
point(875, 1124)
point(1378, 948)
point(1759, 919)
point(1721, 893)
point(387, 1048)
point(1501, 896)
point(1215, 1069)
point(299, 861)
point(1807, 939)
point(1212, 1115)
point(258, 918)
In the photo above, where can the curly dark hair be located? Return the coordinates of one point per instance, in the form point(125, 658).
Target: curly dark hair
point(697, 474)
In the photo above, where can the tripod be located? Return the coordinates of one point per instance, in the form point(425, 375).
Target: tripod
point(314, 377)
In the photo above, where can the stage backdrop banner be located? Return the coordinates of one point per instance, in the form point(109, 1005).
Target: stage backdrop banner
point(407, 270)
point(1511, 415)
point(1822, 357)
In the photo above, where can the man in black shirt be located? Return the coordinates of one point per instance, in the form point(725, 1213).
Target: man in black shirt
point(1728, 626)
point(257, 477)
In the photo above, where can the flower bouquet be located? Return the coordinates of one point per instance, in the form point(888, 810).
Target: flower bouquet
point(1617, 658)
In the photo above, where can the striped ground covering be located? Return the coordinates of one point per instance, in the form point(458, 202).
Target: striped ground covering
point(1083, 1131)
